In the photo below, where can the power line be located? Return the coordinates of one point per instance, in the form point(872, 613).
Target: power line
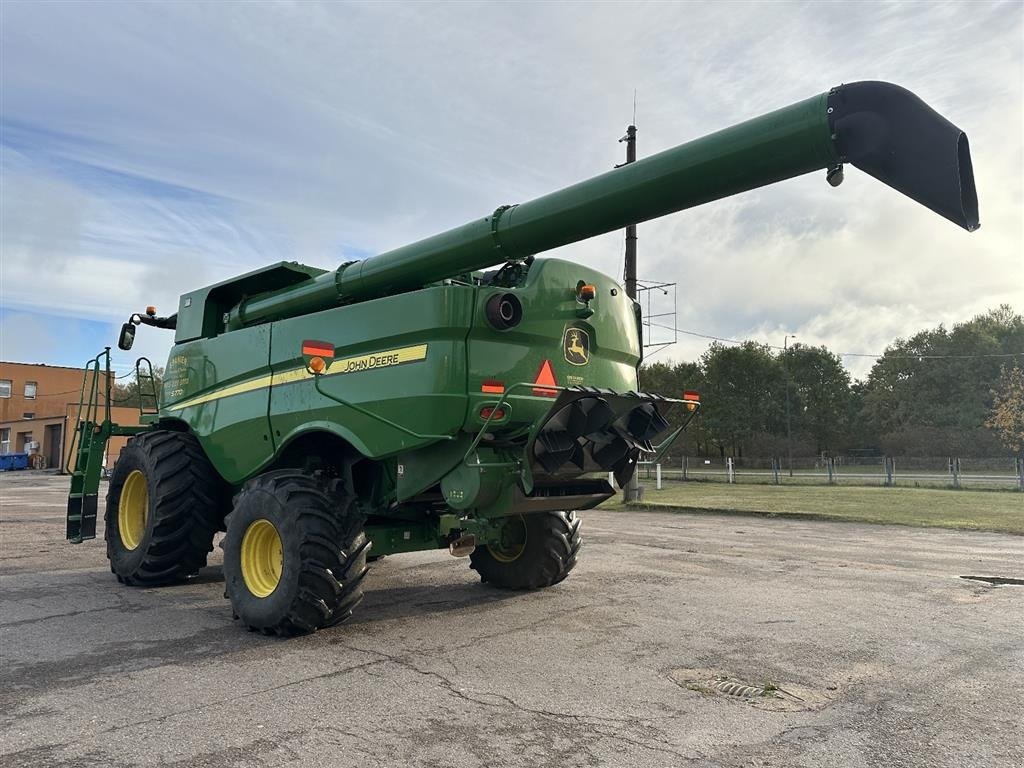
point(842, 354)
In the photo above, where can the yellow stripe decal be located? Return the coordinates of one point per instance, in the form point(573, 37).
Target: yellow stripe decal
point(234, 389)
point(387, 359)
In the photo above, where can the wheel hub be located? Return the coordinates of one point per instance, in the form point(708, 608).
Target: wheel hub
point(133, 510)
point(262, 558)
point(511, 541)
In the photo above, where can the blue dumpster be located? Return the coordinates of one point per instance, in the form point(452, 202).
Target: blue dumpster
point(9, 461)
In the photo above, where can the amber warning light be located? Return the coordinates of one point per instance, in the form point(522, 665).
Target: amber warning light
point(318, 354)
point(692, 399)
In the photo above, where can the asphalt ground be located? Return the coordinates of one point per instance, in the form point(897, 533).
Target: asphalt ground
point(880, 654)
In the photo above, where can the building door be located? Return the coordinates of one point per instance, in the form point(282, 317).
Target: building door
point(51, 445)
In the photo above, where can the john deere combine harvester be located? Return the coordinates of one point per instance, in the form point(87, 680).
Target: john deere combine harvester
point(411, 402)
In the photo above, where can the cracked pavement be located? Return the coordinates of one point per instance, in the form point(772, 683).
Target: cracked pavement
point(889, 659)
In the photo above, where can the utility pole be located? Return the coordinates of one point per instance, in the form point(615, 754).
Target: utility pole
point(630, 270)
point(789, 433)
point(632, 491)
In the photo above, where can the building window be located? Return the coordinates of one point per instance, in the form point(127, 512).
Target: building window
point(30, 390)
point(5, 440)
point(28, 415)
point(5, 387)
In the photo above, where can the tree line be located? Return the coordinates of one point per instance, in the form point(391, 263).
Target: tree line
point(941, 392)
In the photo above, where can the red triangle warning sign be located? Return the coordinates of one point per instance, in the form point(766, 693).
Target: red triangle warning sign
point(546, 375)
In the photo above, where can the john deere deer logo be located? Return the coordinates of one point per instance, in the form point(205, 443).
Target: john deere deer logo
point(576, 345)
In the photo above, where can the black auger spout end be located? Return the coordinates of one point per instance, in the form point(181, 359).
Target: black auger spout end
point(891, 134)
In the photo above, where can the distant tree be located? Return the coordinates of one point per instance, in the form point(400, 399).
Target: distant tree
point(941, 381)
point(1007, 415)
point(127, 394)
point(744, 392)
point(820, 395)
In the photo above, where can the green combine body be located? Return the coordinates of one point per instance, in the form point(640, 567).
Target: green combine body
point(412, 401)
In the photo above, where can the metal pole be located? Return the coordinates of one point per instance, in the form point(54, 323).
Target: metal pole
point(789, 433)
point(632, 491)
point(657, 476)
point(630, 267)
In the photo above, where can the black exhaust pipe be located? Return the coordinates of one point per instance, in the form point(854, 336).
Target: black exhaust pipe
point(889, 133)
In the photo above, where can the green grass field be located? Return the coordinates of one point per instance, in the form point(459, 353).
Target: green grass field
point(971, 510)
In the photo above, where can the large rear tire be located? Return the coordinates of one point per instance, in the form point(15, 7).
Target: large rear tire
point(294, 555)
point(535, 551)
point(164, 505)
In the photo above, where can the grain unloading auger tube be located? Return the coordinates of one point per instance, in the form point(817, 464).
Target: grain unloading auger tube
point(878, 127)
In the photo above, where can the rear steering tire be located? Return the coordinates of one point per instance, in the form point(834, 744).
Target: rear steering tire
point(164, 504)
point(294, 555)
point(536, 550)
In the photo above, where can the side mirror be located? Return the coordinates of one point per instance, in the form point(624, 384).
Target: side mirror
point(127, 337)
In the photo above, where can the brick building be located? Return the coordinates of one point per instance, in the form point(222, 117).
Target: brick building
point(38, 408)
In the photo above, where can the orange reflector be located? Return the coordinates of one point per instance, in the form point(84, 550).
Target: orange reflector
point(587, 292)
point(319, 348)
point(488, 412)
point(546, 375)
point(317, 365)
point(492, 387)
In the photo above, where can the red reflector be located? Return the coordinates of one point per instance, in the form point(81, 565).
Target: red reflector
point(487, 411)
point(691, 395)
point(319, 348)
point(546, 375)
point(493, 387)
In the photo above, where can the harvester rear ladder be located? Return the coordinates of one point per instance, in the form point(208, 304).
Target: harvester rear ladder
point(89, 444)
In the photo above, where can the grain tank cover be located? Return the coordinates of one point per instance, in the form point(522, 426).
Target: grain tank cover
point(201, 312)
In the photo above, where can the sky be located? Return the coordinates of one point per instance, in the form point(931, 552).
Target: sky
point(149, 149)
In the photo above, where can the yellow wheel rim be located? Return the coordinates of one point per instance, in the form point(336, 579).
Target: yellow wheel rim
point(133, 509)
point(512, 542)
point(262, 558)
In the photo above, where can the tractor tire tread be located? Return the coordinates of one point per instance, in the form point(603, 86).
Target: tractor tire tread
point(553, 543)
point(185, 509)
point(331, 554)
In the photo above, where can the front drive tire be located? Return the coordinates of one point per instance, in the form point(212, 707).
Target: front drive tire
point(294, 556)
point(537, 550)
point(164, 504)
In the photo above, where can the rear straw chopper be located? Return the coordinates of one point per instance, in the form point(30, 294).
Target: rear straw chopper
point(413, 401)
